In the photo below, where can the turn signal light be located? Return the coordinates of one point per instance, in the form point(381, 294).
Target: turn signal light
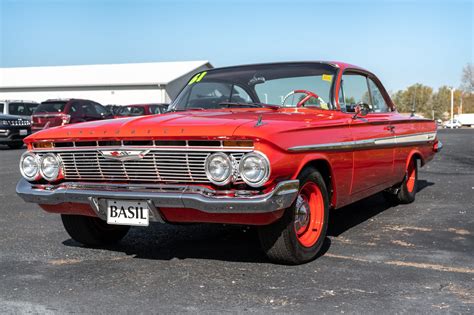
point(43, 145)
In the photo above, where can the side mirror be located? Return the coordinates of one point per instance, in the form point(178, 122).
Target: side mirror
point(361, 109)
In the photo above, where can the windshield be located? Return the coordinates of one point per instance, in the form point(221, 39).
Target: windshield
point(249, 86)
point(131, 111)
point(50, 107)
point(21, 109)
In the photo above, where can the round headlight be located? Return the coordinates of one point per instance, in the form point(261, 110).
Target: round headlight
point(254, 169)
point(29, 166)
point(49, 168)
point(219, 168)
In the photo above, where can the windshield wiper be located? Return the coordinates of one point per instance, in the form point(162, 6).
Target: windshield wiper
point(228, 104)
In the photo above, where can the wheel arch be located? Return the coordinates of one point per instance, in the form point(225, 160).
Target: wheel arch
point(324, 167)
point(415, 154)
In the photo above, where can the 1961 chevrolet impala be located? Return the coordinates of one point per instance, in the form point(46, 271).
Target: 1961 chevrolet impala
point(272, 145)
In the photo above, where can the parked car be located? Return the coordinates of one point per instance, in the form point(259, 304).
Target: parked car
point(113, 109)
point(60, 112)
point(465, 119)
point(452, 124)
point(141, 110)
point(275, 146)
point(23, 109)
point(13, 129)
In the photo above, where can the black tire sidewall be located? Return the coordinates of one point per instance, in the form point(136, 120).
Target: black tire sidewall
point(92, 231)
point(405, 196)
point(302, 253)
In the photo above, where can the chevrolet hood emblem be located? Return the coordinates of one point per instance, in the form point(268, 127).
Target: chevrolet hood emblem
point(124, 155)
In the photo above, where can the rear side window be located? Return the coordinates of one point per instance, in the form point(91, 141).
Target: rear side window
point(21, 109)
point(378, 102)
point(155, 109)
point(2, 106)
point(132, 111)
point(50, 107)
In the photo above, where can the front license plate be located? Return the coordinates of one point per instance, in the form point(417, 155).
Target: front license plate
point(128, 212)
point(23, 132)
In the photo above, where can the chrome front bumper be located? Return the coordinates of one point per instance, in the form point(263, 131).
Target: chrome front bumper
point(166, 196)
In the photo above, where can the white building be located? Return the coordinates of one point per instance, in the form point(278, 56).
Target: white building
point(157, 82)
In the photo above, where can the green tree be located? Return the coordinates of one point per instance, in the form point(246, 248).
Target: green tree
point(417, 95)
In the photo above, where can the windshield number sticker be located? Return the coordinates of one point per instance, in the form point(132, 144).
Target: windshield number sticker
point(327, 77)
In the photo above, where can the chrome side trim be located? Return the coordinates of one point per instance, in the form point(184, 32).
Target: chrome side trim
point(169, 196)
point(419, 138)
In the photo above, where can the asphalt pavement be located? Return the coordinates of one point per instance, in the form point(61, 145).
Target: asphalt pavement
point(416, 258)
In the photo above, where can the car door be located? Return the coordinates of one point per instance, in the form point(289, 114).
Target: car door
point(372, 135)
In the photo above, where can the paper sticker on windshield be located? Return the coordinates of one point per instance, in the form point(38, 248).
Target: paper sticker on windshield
point(198, 77)
point(327, 77)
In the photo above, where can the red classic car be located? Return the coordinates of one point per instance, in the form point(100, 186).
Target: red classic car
point(277, 146)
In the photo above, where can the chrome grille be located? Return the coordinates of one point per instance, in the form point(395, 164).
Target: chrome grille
point(18, 122)
point(156, 166)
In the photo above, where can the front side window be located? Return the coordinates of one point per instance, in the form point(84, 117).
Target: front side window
point(89, 110)
point(100, 109)
point(258, 85)
point(2, 106)
point(355, 90)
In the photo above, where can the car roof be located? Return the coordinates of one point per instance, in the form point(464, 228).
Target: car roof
point(18, 101)
point(65, 100)
point(147, 104)
point(335, 64)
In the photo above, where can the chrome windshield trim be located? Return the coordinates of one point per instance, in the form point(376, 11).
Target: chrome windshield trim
point(418, 138)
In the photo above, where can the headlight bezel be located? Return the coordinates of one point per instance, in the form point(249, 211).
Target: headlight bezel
point(266, 166)
point(57, 171)
point(230, 175)
point(37, 161)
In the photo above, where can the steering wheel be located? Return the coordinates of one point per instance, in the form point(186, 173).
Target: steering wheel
point(308, 96)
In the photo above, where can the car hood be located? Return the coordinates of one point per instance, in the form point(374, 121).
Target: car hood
point(209, 124)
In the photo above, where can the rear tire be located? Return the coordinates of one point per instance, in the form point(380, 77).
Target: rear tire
point(297, 238)
point(92, 231)
point(409, 185)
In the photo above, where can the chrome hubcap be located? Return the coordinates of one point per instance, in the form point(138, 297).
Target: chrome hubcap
point(301, 213)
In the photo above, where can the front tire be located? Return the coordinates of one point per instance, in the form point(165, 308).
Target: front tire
point(298, 236)
point(92, 231)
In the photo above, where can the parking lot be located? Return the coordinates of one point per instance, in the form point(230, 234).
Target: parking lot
point(415, 258)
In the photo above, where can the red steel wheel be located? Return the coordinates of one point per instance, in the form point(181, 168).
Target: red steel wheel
point(298, 236)
point(411, 176)
point(309, 214)
point(408, 187)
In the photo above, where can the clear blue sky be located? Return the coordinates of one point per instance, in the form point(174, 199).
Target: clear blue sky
point(403, 42)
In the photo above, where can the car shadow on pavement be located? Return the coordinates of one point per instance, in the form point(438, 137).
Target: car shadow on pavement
point(230, 243)
point(345, 218)
point(196, 241)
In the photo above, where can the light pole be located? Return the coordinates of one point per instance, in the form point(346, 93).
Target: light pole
point(452, 106)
